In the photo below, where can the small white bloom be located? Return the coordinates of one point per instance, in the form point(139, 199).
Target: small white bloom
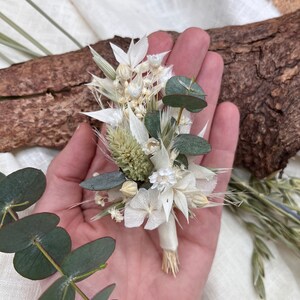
point(99, 200)
point(145, 204)
point(155, 60)
point(151, 146)
point(163, 179)
point(135, 54)
point(115, 214)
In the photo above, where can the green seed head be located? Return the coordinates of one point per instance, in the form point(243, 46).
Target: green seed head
point(128, 154)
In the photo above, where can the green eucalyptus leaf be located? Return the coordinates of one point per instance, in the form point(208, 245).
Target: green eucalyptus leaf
point(2, 176)
point(59, 290)
point(104, 181)
point(189, 102)
point(88, 258)
point(23, 186)
point(105, 293)
point(182, 85)
point(152, 123)
point(189, 144)
point(31, 263)
point(21, 234)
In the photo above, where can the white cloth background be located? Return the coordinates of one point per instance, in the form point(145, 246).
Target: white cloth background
point(89, 21)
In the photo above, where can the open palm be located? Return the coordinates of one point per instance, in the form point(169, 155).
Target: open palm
point(135, 266)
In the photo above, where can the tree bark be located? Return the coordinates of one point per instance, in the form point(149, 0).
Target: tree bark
point(40, 100)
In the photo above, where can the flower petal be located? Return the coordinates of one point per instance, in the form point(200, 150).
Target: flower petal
point(201, 172)
point(181, 203)
point(111, 116)
point(138, 51)
point(161, 158)
point(207, 186)
point(203, 130)
point(120, 55)
point(141, 200)
point(133, 217)
point(137, 128)
point(166, 198)
point(156, 218)
point(188, 181)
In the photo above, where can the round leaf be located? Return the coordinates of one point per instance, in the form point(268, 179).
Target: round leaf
point(25, 185)
point(31, 263)
point(191, 103)
point(189, 144)
point(104, 181)
point(88, 257)
point(59, 290)
point(19, 235)
point(182, 85)
point(105, 293)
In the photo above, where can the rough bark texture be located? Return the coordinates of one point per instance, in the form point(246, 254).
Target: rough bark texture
point(42, 98)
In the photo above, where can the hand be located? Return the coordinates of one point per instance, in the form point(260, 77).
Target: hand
point(135, 266)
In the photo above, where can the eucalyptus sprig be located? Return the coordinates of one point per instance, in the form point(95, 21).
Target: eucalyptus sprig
point(274, 213)
point(41, 247)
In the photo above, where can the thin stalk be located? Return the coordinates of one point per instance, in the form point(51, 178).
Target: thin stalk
point(24, 33)
point(58, 268)
point(89, 273)
point(261, 198)
point(7, 41)
point(13, 214)
point(54, 23)
point(179, 116)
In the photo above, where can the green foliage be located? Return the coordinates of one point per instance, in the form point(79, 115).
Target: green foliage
point(152, 123)
point(105, 293)
point(31, 263)
point(189, 144)
point(191, 103)
point(19, 235)
point(104, 181)
point(59, 290)
point(88, 258)
point(22, 188)
point(185, 93)
point(41, 248)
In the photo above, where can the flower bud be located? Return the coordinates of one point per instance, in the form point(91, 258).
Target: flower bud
point(123, 72)
point(129, 188)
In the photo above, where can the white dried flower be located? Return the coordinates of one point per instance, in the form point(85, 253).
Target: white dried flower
point(115, 214)
point(151, 146)
point(163, 179)
point(99, 200)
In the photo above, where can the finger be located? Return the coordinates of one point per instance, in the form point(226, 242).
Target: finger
point(189, 52)
point(67, 170)
point(223, 139)
point(209, 78)
point(160, 42)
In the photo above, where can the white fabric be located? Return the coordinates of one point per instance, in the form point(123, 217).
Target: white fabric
point(88, 21)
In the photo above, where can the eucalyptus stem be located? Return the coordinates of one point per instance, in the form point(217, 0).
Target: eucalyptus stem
point(58, 268)
point(179, 116)
point(12, 213)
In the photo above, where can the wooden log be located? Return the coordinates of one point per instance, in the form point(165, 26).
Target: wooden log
point(41, 99)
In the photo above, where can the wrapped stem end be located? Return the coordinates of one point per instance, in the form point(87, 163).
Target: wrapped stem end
point(170, 262)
